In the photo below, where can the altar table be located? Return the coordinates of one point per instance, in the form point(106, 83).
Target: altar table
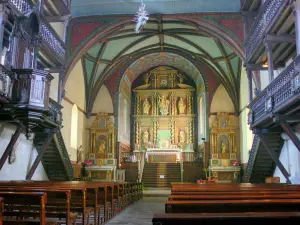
point(172, 155)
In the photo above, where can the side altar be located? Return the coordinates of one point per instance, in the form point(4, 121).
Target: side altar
point(102, 149)
point(164, 115)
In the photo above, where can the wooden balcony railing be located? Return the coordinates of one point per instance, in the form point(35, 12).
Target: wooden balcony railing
point(49, 36)
point(55, 111)
point(5, 84)
point(283, 91)
point(262, 24)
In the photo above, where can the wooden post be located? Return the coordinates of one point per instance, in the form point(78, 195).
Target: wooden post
point(249, 75)
point(269, 49)
point(39, 157)
point(11, 144)
point(275, 158)
point(286, 127)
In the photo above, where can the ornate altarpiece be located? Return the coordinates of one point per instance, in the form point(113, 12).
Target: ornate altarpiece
point(102, 136)
point(164, 111)
point(223, 148)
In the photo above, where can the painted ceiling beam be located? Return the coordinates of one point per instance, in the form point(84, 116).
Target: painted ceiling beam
point(221, 58)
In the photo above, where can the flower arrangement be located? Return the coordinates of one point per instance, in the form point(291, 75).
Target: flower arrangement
point(236, 163)
point(88, 162)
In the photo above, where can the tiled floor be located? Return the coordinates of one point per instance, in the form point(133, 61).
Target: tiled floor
point(141, 212)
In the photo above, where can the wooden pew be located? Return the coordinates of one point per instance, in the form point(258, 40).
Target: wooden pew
point(58, 203)
point(248, 218)
point(78, 195)
point(18, 199)
point(1, 209)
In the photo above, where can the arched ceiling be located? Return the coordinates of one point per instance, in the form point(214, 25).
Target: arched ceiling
point(162, 36)
point(153, 60)
point(106, 7)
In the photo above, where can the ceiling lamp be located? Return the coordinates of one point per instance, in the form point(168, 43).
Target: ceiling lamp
point(141, 18)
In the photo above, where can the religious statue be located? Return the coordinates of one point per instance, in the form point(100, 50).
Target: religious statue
point(80, 154)
point(145, 137)
point(102, 146)
point(181, 106)
point(146, 107)
point(223, 147)
point(163, 104)
point(181, 136)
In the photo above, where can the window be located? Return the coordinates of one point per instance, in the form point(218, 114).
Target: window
point(74, 126)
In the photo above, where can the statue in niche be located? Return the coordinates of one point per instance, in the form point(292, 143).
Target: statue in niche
point(145, 137)
point(146, 107)
point(181, 106)
point(80, 154)
point(163, 104)
point(102, 146)
point(223, 147)
point(181, 136)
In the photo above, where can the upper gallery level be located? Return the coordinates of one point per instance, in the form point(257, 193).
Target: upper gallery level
point(268, 22)
point(51, 53)
point(272, 43)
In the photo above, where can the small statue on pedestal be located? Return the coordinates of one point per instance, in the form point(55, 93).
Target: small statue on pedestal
point(146, 107)
point(80, 154)
point(181, 106)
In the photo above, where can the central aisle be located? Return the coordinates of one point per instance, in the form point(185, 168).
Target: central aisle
point(141, 212)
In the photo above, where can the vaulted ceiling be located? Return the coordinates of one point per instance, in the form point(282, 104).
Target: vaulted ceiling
point(162, 36)
point(106, 7)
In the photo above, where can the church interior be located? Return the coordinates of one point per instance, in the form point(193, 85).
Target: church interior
point(170, 109)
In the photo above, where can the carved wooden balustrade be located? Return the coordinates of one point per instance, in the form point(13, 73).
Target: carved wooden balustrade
point(6, 79)
point(50, 39)
point(282, 92)
point(262, 25)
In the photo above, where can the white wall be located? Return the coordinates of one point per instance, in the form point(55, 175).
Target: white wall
point(54, 87)
point(103, 102)
point(221, 101)
point(290, 158)
point(75, 92)
point(246, 136)
point(25, 156)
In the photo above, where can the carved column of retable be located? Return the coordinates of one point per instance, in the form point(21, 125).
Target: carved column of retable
point(137, 135)
point(138, 104)
point(154, 131)
point(189, 102)
point(154, 103)
point(190, 133)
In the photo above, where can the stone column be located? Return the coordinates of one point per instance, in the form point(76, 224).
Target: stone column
point(249, 75)
point(269, 49)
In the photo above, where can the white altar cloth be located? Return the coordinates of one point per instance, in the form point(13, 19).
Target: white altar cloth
point(164, 151)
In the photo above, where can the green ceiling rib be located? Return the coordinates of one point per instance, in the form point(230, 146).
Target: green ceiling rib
point(224, 67)
point(227, 49)
point(214, 66)
point(150, 41)
point(181, 44)
point(95, 49)
point(206, 43)
point(89, 68)
point(235, 65)
point(101, 68)
point(114, 47)
point(177, 26)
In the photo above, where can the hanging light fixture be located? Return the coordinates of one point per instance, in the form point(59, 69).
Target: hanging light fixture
point(141, 18)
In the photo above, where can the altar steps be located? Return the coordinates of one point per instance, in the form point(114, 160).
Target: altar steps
point(160, 174)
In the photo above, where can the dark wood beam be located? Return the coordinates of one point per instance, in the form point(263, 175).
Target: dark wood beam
point(256, 67)
point(221, 58)
point(57, 19)
point(280, 39)
point(11, 144)
point(287, 128)
point(275, 158)
point(286, 118)
point(54, 70)
point(40, 156)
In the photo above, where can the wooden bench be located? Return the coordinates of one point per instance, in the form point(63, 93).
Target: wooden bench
point(58, 203)
point(1, 209)
point(248, 218)
point(14, 215)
